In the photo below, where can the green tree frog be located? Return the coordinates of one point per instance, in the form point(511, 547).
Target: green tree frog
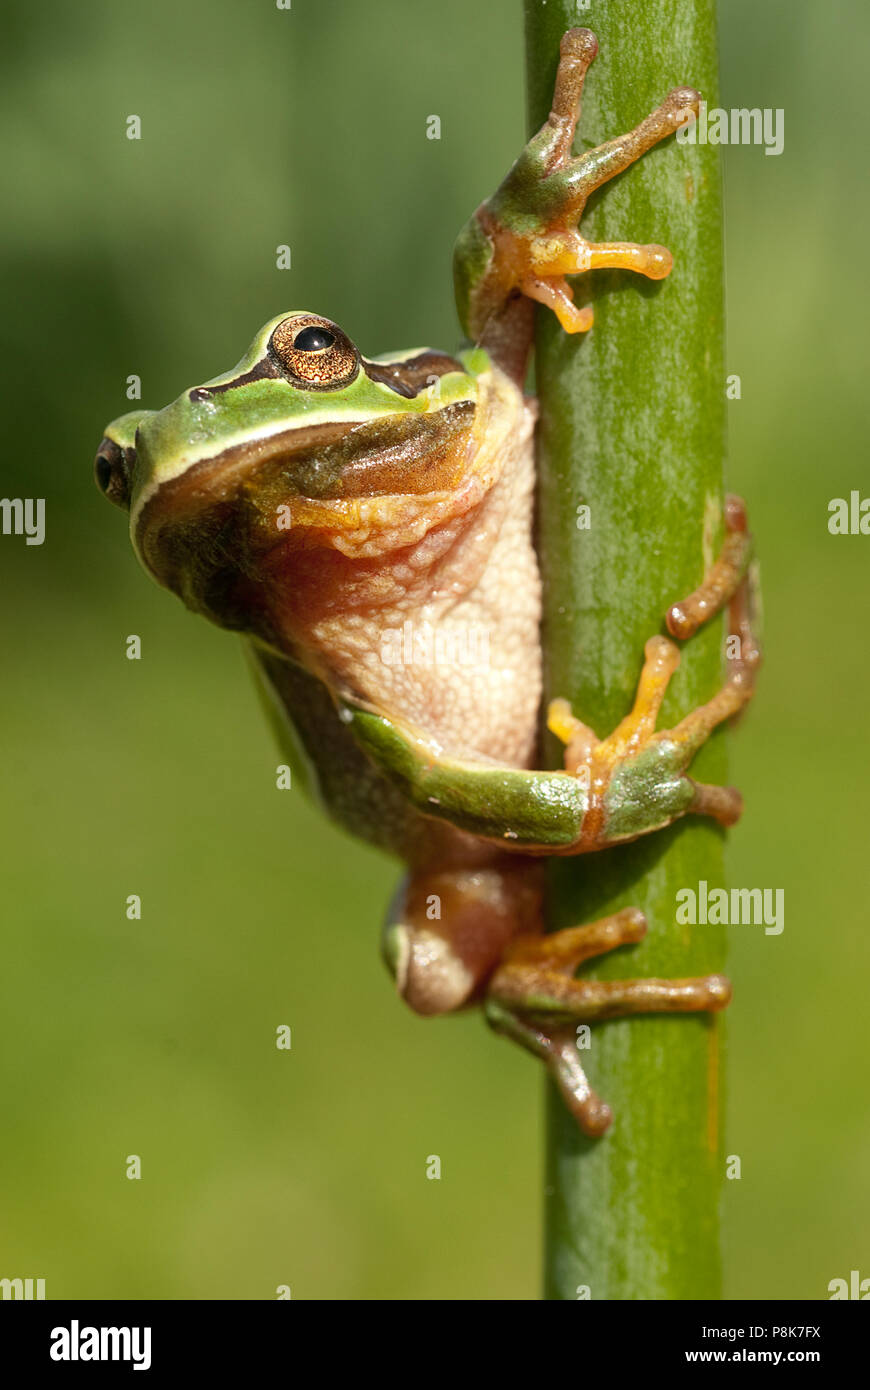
point(359, 520)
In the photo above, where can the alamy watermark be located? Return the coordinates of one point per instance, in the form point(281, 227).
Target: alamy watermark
point(740, 126)
point(25, 1289)
point(431, 644)
point(23, 516)
point(849, 516)
point(76, 1343)
point(757, 907)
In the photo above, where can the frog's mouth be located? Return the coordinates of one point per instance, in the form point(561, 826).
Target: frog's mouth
point(217, 534)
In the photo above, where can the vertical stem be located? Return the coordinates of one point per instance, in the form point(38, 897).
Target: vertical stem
point(632, 426)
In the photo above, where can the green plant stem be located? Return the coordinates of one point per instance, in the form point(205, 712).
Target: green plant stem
point(632, 426)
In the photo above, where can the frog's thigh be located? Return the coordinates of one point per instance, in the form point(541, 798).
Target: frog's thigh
point(447, 929)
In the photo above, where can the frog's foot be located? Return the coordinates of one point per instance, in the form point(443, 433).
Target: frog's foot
point(636, 777)
point(531, 222)
point(534, 998)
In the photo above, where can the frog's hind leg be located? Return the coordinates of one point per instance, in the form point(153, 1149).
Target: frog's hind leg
point(534, 998)
point(447, 929)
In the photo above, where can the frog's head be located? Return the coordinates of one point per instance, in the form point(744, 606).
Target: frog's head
point(304, 444)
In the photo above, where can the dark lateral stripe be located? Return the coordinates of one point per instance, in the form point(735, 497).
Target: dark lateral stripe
point(264, 368)
point(221, 469)
point(369, 444)
point(411, 375)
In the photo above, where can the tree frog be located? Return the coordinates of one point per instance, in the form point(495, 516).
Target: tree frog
point(360, 520)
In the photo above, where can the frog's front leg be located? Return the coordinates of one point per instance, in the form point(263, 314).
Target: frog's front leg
point(524, 240)
point(612, 789)
point(629, 773)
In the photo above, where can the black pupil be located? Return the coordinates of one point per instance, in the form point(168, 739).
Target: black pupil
point(313, 340)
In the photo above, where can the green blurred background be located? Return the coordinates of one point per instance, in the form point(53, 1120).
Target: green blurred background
point(156, 777)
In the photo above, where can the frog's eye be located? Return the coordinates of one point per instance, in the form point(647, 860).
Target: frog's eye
point(112, 472)
point(314, 353)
